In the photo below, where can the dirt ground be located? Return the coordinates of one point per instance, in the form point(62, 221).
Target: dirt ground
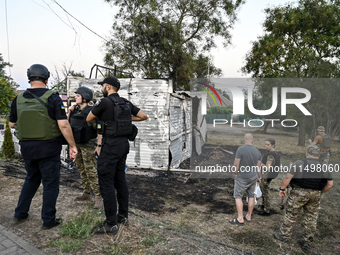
point(177, 213)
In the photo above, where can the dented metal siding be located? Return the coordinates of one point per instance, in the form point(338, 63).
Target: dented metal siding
point(180, 129)
point(151, 147)
point(200, 127)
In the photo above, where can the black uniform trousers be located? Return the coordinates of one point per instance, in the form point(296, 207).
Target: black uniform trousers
point(47, 171)
point(111, 177)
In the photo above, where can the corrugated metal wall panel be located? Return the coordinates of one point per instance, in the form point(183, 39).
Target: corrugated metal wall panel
point(180, 129)
point(151, 148)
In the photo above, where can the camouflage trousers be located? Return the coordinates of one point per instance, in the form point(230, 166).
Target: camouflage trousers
point(87, 166)
point(265, 194)
point(307, 199)
point(324, 157)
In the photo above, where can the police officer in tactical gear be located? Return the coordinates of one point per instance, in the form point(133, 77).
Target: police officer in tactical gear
point(85, 137)
point(39, 118)
point(114, 116)
point(308, 178)
point(324, 142)
point(270, 161)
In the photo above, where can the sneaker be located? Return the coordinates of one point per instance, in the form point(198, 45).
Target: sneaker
point(263, 213)
point(19, 220)
point(105, 228)
point(84, 197)
point(123, 220)
point(57, 222)
point(280, 238)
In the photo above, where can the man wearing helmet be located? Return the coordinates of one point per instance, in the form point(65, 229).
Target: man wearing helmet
point(85, 137)
point(116, 115)
point(39, 118)
point(324, 142)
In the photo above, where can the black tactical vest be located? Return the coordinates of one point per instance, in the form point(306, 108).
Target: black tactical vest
point(272, 174)
point(318, 182)
point(82, 131)
point(121, 125)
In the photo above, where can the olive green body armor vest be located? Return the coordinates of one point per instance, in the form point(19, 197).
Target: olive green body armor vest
point(33, 121)
point(326, 142)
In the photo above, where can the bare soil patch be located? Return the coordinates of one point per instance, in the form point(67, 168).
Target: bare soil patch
point(171, 213)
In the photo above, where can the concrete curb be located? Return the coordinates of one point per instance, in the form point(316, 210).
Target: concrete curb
point(10, 243)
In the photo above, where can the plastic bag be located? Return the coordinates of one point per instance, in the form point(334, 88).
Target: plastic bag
point(258, 192)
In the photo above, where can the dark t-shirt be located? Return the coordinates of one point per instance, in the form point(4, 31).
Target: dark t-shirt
point(104, 109)
point(299, 167)
point(47, 148)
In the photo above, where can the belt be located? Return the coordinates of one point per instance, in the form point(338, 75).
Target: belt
point(300, 188)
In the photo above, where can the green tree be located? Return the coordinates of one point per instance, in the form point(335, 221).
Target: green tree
point(7, 87)
point(168, 39)
point(8, 145)
point(300, 41)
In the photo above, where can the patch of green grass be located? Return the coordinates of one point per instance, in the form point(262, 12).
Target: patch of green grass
point(80, 227)
point(66, 245)
point(152, 239)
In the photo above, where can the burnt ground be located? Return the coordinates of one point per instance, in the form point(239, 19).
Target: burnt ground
point(182, 212)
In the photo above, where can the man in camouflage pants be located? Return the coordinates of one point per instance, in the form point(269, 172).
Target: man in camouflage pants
point(307, 186)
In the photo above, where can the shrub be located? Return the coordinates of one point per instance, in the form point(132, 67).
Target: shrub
point(8, 145)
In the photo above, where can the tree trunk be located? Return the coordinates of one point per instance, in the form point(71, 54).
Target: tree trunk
point(265, 127)
point(302, 130)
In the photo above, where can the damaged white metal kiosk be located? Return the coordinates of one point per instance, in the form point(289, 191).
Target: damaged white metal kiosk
point(174, 130)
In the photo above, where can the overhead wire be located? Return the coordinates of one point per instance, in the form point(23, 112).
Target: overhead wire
point(9, 59)
point(69, 25)
point(59, 17)
point(80, 22)
point(41, 5)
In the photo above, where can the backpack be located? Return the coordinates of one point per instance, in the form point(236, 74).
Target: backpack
point(122, 123)
point(326, 141)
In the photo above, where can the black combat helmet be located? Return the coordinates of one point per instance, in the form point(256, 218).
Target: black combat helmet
point(38, 72)
point(86, 93)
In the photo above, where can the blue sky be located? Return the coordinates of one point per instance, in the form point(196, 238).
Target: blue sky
point(37, 35)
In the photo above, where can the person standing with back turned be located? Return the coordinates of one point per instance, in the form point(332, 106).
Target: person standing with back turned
point(115, 116)
point(309, 178)
point(247, 164)
point(39, 118)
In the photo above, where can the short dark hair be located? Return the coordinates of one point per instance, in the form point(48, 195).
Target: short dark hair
point(271, 140)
